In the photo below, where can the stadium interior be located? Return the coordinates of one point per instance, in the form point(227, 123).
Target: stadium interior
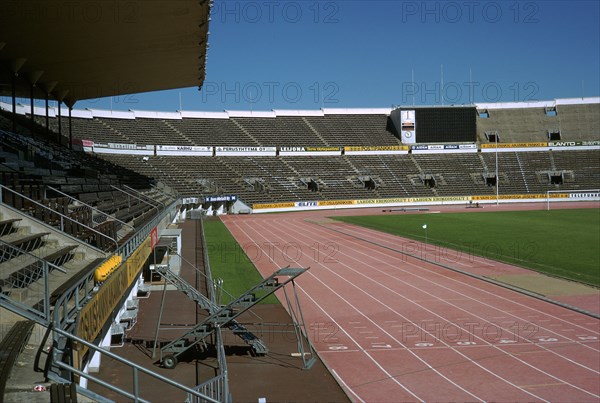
point(86, 194)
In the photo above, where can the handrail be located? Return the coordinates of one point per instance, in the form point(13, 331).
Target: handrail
point(26, 311)
point(170, 196)
point(47, 313)
point(207, 270)
point(141, 194)
point(137, 197)
point(24, 252)
point(87, 205)
point(209, 277)
point(55, 212)
point(219, 337)
point(136, 368)
point(124, 250)
point(210, 280)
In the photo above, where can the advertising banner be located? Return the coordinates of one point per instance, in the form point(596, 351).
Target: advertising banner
point(222, 198)
point(246, 151)
point(309, 151)
point(184, 150)
point(375, 150)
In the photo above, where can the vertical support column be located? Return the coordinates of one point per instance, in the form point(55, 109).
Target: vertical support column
point(60, 97)
point(16, 66)
point(59, 135)
point(70, 128)
point(47, 118)
point(31, 117)
point(14, 101)
point(34, 77)
point(47, 87)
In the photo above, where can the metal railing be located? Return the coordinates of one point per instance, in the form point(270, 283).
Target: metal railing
point(135, 393)
point(52, 213)
point(142, 196)
point(137, 198)
point(105, 215)
point(128, 247)
point(39, 310)
point(217, 387)
point(68, 305)
point(71, 301)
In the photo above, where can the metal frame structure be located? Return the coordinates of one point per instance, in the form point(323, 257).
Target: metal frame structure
point(220, 316)
point(60, 318)
point(137, 369)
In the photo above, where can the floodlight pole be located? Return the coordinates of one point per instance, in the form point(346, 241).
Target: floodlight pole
point(426, 243)
point(497, 178)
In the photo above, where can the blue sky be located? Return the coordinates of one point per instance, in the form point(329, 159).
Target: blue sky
point(309, 54)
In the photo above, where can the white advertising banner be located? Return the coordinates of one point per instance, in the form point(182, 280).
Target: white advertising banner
point(184, 150)
point(246, 151)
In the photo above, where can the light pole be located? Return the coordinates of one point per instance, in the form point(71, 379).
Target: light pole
point(497, 178)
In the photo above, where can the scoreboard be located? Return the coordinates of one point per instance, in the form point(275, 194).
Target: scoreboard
point(452, 124)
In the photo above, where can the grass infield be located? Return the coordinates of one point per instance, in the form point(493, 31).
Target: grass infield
point(229, 262)
point(564, 243)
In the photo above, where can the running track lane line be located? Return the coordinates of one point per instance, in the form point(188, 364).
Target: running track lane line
point(362, 350)
point(485, 341)
point(527, 342)
point(538, 369)
point(489, 280)
point(473, 276)
point(389, 376)
point(392, 337)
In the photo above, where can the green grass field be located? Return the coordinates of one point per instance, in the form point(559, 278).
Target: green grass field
point(564, 243)
point(229, 262)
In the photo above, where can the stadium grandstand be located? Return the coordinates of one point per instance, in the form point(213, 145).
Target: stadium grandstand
point(117, 173)
point(91, 200)
point(352, 154)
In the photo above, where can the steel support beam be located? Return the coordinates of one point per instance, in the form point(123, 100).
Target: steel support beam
point(14, 102)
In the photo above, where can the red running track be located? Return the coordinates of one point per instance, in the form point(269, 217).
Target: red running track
point(396, 328)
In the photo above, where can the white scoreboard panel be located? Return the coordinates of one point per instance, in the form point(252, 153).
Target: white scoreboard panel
point(408, 128)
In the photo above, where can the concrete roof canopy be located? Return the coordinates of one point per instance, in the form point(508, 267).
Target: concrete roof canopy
point(86, 49)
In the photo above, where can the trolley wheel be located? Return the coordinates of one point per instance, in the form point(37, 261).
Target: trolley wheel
point(169, 362)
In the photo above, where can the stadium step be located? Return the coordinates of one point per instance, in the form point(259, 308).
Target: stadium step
point(8, 226)
point(21, 243)
point(29, 250)
point(315, 131)
point(246, 132)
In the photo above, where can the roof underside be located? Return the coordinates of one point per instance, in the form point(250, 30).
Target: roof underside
point(92, 49)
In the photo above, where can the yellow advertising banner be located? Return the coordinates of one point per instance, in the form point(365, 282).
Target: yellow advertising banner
point(98, 310)
point(413, 200)
point(376, 148)
point(524, 196)
point(336, 202)
point(321, 149)
point(273, 205)
point(514, 145)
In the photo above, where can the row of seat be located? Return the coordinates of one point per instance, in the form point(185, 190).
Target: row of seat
point(281, 178)
point(574, 122)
